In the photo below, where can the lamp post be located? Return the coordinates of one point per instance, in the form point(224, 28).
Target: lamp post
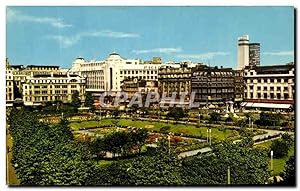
point(169, 139)
point(252, 126)
point(228, 175)
point(209, 137)
point(272, 162)
point(249, 122)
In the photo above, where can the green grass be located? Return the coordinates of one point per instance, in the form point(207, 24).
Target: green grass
point(278, 164)
point(188, 130)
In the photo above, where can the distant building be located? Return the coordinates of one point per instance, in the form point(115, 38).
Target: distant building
point(213, 85)
point(254, 54)
point(42, 88)
point(176, 80)
point(135, 85)
point(239, 86)
point(108, 74)
point(270, 87)
point(37, 84)
point(248, 54)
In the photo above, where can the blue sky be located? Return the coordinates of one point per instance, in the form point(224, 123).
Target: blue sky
point(57, 35)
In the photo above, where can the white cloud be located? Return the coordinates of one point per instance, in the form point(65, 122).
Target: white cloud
point(13, 15)
point(158, 50)
point(208, 55)
point(282, 53)
point(67, 41)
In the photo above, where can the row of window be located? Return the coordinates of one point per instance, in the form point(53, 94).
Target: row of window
point(137, 72)
point(269, 96)
point(51, 86)
point(285, 80)
point(143, 77)
point(265, 88)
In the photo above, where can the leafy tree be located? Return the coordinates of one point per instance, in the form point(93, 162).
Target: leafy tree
point(177, 113)
point(287, 138)
point(269, 119)
point(280, 148)
point(47, 155)
point(248, 165)
point(89, 100)
point(289, 172)
point(75, 100)
point(160, 169)
point(215, 117)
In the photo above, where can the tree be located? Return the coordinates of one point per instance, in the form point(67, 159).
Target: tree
point(269, 119)
point(215, 117)
point(177, 113)
point(280, 148)
point(89, 100)
point(75, 100)
point(289, 172)
point(160, 169)
point(47, 155)
point(248, 165)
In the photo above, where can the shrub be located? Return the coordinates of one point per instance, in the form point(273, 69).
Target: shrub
point(280, 148)
point(164, 129)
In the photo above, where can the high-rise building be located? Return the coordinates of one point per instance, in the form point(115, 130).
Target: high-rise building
point(248, 53)
point(254, 54)
point(243, 52)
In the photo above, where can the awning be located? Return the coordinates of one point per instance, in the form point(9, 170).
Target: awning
point(268, 105)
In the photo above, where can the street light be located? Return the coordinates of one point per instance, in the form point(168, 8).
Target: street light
point(272, 162)
point(210, 137)
point(169, 138)
point(252, 125)
point(207, 135)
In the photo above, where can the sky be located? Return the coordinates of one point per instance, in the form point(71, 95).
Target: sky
point(58, 35)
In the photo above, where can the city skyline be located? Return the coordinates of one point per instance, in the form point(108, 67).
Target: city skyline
point(57, 35)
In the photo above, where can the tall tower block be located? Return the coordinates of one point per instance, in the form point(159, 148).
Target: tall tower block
point(243, 52)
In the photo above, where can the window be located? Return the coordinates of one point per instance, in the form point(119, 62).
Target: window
point(272, 95)
point(272, 80)
point(251, 95)
point(278, 95)
point(258, 89)
point(285, 80)
point(265, 95)
point(272, 88)
point(265, 88)
point(251, 87)
point(124, 72)
point(258, 95)
point(121, 72)
point(251, 73)
point(136, 72)
point(278, 88)
point(286, 96)
point(285, 88)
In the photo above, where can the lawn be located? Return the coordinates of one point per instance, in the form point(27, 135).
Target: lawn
point(278, 163)
point(187, 130)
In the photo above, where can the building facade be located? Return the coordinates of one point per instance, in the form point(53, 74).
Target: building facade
point(254, 54)
point(213, 85)
point(270, 86)
point(41, 88)
point(108, 74)
point(134, 85)
point(173, 79)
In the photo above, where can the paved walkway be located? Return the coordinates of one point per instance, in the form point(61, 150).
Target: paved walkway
point(208, 149)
